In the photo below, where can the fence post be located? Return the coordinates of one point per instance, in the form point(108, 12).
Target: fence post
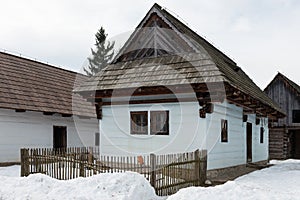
point(197, 167)
point(152, 170)
point(24, 162)
point(203, 167)
point(81, 165)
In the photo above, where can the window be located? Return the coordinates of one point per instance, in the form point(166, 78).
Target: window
point(159, 121)
point(296, 116)
point(139, 122)
point(224, 131)
point(262, 130)
point(97, 139)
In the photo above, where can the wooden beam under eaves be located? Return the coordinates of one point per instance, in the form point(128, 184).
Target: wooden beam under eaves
point(48, 113)
point(20, 110)
point(66, 115)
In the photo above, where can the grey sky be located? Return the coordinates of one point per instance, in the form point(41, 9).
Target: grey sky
point(262, 36)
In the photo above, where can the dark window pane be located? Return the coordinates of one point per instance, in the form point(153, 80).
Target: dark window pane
point(159, 122)
point(296, 116)
point(262, 130)
point(139, 122)
point(97, 139)
point(224, 130)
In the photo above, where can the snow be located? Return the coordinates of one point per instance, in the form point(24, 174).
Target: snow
point(281, 181)
point(12, 171)
point(121, 186)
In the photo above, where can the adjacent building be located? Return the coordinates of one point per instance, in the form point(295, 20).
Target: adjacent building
point(37, 108)
point(284, 135)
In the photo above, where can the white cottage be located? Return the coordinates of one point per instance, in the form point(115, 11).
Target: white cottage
point(169, 90)
point(36, 108)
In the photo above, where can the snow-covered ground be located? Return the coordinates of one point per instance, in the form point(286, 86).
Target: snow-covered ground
point(117, 186)
point(281, 181)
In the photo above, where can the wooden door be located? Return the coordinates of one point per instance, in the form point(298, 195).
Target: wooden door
point(59, 137)
point(249, 142)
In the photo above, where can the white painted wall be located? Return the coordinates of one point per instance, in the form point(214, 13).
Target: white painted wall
point(260, 151)
point(234, 152)
point(231, 153)
point(188, 132)
point(184, 128)
point(33, 129)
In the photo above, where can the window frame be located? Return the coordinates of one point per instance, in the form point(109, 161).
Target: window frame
point(133, 124)
point(224, 130)
point(154, 122)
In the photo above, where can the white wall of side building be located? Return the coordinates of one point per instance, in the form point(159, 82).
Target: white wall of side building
point(231, 153)
point(260, 151)
point(33, 129)
point(234, 152)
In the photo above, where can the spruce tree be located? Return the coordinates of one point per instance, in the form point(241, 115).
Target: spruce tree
point(102, 55)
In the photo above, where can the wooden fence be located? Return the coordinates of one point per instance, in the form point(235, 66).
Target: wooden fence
point(166, 173)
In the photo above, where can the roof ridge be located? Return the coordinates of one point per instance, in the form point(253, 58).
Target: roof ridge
point(197, 35)
point(290, 82)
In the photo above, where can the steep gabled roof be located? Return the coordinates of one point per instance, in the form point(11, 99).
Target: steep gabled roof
point(164, 51)
point(34, 86)
point(291, 84)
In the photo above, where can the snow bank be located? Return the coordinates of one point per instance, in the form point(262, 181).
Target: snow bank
point(121, 186)
point(281, 181)
point(13, 171)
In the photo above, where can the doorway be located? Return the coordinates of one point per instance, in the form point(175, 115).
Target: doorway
point(59, 137)
point(296, 145)
point(249, 142)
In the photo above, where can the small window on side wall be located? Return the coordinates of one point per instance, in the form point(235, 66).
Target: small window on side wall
point(296, 116)
point(262, 130)
point(97, 139)
point(139, 123)
point(224, 130)
point(159, 121)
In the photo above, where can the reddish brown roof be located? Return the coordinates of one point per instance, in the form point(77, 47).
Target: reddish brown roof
point(29, 85)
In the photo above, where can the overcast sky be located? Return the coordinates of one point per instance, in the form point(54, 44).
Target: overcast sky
point(262, 36)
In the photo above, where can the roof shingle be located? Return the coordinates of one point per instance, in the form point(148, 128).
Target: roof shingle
point(203, 64)
point(29, 85)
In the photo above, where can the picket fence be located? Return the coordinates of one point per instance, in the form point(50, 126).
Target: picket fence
point(166, 173)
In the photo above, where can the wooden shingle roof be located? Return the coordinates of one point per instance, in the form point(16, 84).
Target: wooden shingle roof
point(197, 62)
point(34, 86)
point(288, 82)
